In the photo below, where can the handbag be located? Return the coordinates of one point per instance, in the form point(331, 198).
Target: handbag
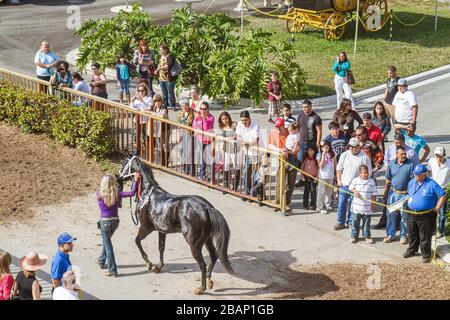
point(176, 69)
point(350, 78)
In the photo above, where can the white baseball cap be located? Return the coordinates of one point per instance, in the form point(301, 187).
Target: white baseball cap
point(440, 151)
point(354, 142)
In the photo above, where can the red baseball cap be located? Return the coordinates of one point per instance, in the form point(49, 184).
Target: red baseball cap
point(279, 122)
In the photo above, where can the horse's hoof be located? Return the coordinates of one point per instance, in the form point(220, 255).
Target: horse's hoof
point(199, 291)
point(149, 265)
point(210, 284)
point(157, 269)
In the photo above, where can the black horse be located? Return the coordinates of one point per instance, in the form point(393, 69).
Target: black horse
point(193, 216)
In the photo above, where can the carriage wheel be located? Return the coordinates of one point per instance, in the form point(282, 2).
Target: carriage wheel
point(334, 29)
point(374, 14)
point(297, 22)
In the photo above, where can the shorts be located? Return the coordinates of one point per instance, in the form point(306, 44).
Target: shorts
point(273, 108)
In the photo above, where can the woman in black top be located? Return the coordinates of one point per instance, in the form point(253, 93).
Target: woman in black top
point(26, 286)
point(346, 117)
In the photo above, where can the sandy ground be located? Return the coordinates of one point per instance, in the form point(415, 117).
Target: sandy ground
point(297, 257)
point(37, 171)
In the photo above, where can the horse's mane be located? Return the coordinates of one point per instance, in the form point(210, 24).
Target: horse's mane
point(148, 173)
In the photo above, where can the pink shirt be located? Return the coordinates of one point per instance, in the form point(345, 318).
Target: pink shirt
point(6, 283)
point(204, 124)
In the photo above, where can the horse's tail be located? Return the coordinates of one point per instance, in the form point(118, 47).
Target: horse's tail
point(221, 234)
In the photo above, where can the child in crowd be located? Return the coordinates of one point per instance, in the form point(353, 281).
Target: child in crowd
point(123, 72)
point(292, 144)
point(310, 166)
point(287, 115)
point(263, 172)
point(274, 92)
point(364, 189)
point(337, 139)
point(6, 279)
point(327, 165)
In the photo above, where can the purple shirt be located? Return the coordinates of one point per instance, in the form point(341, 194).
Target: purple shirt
point(111, 212)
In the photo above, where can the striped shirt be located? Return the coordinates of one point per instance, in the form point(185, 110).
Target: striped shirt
point(367, 189)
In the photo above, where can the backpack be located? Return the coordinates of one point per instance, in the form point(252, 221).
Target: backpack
point(176, 69)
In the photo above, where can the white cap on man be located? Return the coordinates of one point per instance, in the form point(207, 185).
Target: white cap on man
point(440, 151)
point(354, 142)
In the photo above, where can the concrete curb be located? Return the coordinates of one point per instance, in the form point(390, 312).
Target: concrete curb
point(321, 103)
point(365, 94)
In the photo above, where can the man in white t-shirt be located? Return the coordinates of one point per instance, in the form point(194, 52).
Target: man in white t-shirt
point(247, 133)
point(67, 290)
point(440, 172)
point(405, 103)
point(347, 169)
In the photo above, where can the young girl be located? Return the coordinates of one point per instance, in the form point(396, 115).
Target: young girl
point(6, 279)
point(274, 92)
point(381, 120)
point(327, 165)
point(123, 72)
point(292, 146)
point(310, 166)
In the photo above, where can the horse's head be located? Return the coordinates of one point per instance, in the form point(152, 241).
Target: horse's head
point(132, 164)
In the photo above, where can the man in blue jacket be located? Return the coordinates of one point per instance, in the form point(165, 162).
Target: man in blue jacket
point(426, 198)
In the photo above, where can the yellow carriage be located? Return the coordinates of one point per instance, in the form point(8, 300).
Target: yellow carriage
point(333, 15)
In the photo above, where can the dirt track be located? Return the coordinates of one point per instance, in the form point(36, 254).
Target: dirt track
point(41, 180)
point(37, 171)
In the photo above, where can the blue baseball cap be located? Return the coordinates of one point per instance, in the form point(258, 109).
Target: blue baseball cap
point(419, 169)
point(65, 238)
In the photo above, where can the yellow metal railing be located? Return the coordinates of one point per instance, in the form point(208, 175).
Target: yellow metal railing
point(204, 157)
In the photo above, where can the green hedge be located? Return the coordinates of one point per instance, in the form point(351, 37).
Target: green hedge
point(73, 126)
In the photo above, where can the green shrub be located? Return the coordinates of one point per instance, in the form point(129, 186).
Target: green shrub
point(77, 127)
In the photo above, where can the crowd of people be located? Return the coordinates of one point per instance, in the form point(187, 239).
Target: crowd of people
point(349, 159)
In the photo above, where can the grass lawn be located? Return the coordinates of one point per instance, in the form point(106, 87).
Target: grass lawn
point(412, 49)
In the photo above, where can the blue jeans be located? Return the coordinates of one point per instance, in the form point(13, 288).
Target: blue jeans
point(343, 198)
point(168, 93)
point(248, 173)
point(356, 221)
point(125, 87)
point(107, 229)
point(442, 218)
point(302, 151)
point(391, 228)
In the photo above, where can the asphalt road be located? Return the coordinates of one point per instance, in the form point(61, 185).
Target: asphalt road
point(23, 27)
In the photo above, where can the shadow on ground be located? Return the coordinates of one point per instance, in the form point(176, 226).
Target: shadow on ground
point(268, 268)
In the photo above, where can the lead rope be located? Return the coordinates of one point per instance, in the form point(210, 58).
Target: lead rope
point(134, 217)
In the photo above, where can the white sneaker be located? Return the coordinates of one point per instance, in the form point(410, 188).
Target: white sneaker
point(370, 240)
point(323, 211)
point(403, 241)
point(388, 239)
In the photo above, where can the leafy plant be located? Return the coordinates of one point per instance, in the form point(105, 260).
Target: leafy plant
point(213, 55)
point(34, 112)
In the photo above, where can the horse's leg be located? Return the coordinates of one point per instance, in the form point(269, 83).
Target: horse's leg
point(143, 232)
point(196, 250)
point(213, 256)
point(162, 246)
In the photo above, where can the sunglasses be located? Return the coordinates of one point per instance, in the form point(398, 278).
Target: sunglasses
point(158, 100)
point(142, 90)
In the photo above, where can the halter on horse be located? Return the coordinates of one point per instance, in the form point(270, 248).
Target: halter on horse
point(199, 222)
